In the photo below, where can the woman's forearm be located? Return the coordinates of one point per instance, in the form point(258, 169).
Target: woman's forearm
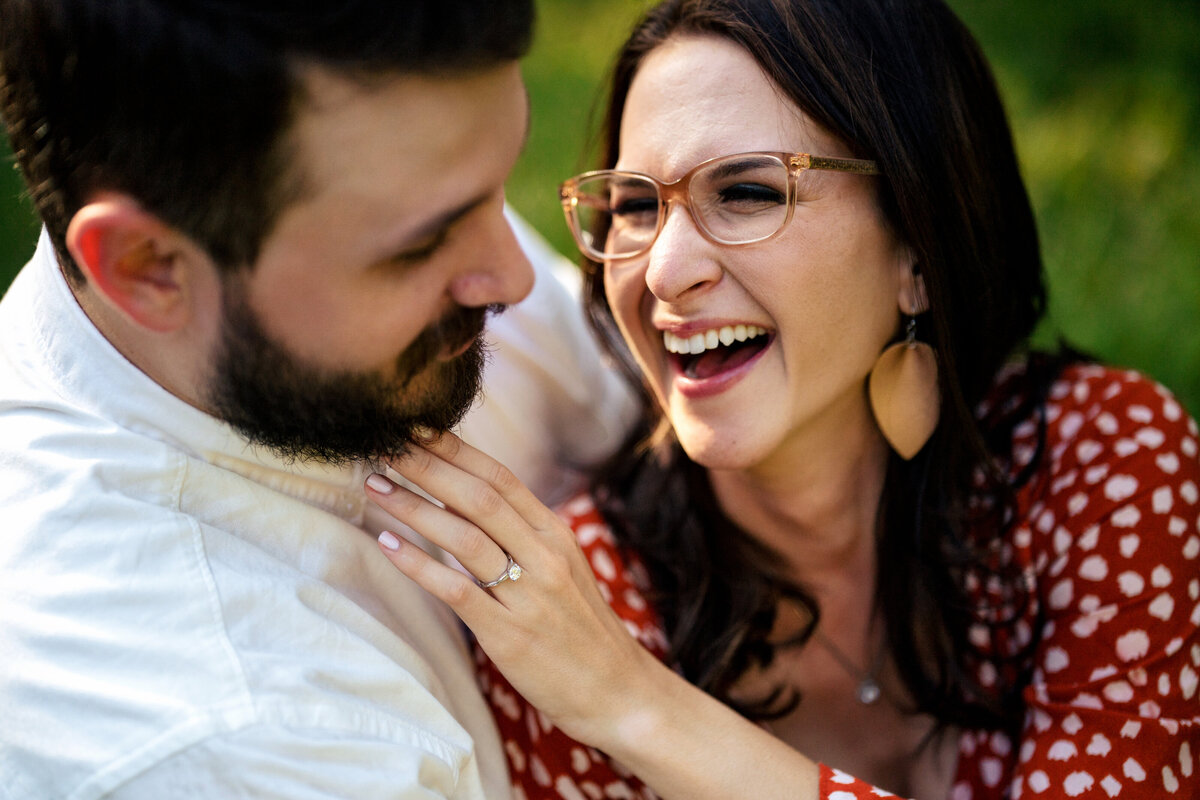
point(686, 745)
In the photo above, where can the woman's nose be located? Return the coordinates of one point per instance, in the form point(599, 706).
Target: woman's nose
point(681, 260)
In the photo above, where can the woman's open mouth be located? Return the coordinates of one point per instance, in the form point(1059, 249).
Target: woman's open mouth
point(708, 354)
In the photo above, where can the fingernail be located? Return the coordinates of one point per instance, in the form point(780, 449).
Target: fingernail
point(389, 540)
point(424, 434)
point(380, 483)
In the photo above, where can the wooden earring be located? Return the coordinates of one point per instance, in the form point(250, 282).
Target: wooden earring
point(903, 389)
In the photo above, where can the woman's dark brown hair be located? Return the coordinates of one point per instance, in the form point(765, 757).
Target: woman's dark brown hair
point(901, 82)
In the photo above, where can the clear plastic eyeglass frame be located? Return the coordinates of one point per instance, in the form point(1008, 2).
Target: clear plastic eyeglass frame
point(679, 191)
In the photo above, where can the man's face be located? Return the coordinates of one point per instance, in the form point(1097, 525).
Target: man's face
point(362, 316)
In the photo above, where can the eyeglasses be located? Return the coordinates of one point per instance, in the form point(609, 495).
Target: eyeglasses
point(734, 200)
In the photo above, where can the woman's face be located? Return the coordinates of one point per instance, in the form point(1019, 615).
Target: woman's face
point(826, 290)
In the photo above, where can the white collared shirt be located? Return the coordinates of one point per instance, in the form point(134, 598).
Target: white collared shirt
point(184, 616)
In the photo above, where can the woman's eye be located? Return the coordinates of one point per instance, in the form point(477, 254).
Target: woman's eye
point(633, 206)
point(751, 194)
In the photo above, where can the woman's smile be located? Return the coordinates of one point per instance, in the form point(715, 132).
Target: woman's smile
point(708, 361)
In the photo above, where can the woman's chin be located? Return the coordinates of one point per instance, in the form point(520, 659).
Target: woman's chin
point(712, 450)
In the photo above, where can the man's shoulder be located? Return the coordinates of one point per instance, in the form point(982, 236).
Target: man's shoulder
point(109, 620)
point(299, 755)
point(143, 639)
point(59, 458)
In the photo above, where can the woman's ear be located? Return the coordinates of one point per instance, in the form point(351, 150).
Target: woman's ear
point(135, 262)
point(913, 299)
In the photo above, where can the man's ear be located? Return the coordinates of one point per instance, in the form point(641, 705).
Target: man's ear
point(136, 263)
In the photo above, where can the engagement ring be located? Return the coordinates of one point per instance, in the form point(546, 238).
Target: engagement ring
point(512, 572)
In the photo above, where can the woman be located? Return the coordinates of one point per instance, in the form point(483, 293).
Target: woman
point(870, 530)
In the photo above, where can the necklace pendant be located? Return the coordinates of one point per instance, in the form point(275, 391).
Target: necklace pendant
point(868, 691)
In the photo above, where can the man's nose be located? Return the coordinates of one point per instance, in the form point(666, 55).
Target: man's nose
point(500, 273)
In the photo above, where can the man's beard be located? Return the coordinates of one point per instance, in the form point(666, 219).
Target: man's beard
point(305, 413)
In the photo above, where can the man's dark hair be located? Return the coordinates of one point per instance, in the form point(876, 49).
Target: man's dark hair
point(185, 104)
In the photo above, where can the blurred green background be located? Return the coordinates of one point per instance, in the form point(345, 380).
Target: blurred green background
point(1104, 99)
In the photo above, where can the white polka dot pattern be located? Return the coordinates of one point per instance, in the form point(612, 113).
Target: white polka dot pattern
point(1112, 707)
point(1108, 535)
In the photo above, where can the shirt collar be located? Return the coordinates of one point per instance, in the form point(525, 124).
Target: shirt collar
point(88, 371)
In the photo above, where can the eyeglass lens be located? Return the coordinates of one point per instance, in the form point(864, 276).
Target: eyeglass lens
point(736, 200)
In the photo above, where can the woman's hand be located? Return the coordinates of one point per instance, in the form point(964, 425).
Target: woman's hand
point(550, 632)
point(557, 641)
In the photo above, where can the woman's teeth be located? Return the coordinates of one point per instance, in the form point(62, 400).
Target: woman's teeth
point(710, 339)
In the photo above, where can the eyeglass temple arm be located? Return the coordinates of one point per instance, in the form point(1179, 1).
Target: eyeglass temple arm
point(855, 165)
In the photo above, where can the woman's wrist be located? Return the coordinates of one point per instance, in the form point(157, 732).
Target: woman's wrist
point(666, 728)
point(632, 713)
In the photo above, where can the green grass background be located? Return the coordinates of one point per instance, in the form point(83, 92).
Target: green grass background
point(1104, 99)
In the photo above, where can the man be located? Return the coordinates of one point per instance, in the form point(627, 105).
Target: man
point(273, 232)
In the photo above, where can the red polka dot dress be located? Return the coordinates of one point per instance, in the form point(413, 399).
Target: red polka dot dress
point(1108, 536)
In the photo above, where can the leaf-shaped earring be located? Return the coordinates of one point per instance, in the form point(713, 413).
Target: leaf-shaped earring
point(903, 388)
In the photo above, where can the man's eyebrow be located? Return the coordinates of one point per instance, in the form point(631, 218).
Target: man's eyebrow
point(441, 222)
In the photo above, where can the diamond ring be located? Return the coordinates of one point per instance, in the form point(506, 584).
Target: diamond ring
point(512, 572)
